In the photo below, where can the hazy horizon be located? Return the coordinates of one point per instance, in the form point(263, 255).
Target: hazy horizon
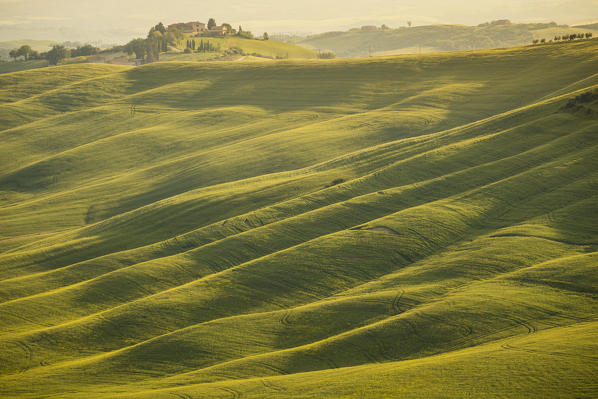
point(118, 21)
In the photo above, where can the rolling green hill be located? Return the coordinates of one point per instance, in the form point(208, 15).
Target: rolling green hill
point(21, 65)
point(417, 226)
point(251, 47)
point(434, 38)
point(592, 26)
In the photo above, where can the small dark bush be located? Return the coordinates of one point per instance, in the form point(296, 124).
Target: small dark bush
point(327, 55)
point(335, 182)
point(576, 104)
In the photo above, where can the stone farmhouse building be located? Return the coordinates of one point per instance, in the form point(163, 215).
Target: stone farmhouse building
point(220, 30)
point(189, 27)
point(195, 28)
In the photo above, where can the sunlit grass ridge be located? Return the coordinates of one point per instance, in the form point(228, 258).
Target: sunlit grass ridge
point(421, 226)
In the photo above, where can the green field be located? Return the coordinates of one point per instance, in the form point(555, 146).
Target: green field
point(413, 226)
point(21, 65)
point(259, 48)
point(434, 38)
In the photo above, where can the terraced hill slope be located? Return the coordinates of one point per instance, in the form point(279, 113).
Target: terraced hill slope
point(423, 226)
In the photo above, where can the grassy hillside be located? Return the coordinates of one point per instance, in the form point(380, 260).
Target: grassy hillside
point(21, 65)
point(593, 26)
point(433, 38)
point(259, 48)
point(422, 226)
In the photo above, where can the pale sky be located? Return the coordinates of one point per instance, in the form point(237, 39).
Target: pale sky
point(113, 21)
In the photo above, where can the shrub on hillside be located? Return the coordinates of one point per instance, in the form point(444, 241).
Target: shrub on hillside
point(245, 34)
point(85, 50)
point(326, 55)
point(336, 182)
point(24, 51)
point(136, 46)
point(234, 51)
point(577, 103)
point(57, 54)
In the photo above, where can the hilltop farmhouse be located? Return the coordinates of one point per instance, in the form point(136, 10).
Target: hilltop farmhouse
point(195, 28)
point(189, 27)
point(219, 30)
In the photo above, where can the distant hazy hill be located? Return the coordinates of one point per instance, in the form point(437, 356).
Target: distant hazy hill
point(593, 26)
point(359, 43)
point(37, 45)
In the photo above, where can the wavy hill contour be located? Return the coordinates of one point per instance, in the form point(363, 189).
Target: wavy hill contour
point(417, 225)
